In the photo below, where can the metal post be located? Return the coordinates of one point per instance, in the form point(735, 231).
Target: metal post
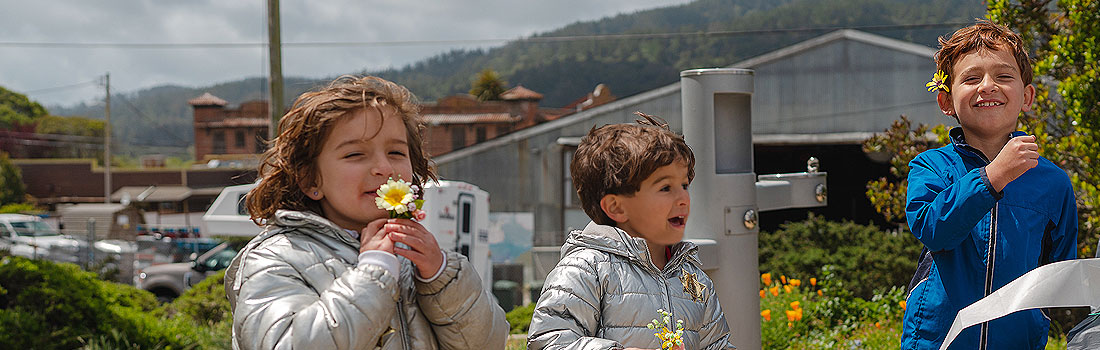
point(107, 145)
point(717, 121)
point(91, 242)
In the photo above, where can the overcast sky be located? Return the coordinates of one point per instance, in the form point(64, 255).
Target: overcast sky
point(31, 63)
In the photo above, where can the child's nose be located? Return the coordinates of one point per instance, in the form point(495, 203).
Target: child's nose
point(382, 168)
point(988, 85)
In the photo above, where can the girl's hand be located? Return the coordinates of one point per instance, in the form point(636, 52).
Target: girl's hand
point(374, 237)
point(423, 249)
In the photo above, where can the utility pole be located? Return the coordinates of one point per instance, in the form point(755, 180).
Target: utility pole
point(275, 62)
point(107, 145)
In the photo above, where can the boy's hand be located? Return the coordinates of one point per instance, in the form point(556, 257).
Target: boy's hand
point(1016, 157)
point(373, 237)
point(424, 250)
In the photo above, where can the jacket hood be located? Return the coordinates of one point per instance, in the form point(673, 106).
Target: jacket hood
point(612, 240)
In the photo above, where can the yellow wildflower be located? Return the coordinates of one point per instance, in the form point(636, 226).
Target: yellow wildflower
point(783, 278)
point(767, 314)
point(774, 290)
point(939, 82)
point(813, 281)
point(796, 283)
point(787, 288)
point(795, 305)
point(902, 303)
point(820, 294)
point(766, 278)
point(761, 294)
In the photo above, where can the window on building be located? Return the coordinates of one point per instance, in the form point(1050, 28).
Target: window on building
point(219, 142)
point(240, 139)
point(458, 137)
point(481, 133)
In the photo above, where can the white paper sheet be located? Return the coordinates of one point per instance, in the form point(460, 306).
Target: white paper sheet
point(1061, 284)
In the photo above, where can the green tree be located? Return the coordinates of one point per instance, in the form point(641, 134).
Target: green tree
point(16, 110)
point(12, 189)
point(488, 86)
point(901, 142)
point(1063, 41)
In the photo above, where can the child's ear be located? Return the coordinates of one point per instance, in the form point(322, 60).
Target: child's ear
point(613, 207)
point(313, 193)
point(944, 100)
point(1029, 97)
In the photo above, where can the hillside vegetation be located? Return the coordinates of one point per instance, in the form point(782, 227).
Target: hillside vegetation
point(159, 119)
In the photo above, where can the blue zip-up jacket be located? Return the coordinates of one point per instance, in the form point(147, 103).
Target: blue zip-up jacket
point(977, 240)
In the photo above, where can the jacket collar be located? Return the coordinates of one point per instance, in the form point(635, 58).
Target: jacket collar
point(958, 140)
point(613, 240)
point(312, 222)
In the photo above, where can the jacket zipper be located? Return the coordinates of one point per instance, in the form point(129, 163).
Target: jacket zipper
point(401, 315)
point(990, 255)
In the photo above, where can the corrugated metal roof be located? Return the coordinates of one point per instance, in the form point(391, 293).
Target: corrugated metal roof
point(153, 193)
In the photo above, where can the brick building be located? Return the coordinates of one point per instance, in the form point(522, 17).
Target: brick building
point(221, 131)
point(461, 120)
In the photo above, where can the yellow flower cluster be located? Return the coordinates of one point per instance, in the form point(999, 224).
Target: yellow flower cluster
point(669, 339)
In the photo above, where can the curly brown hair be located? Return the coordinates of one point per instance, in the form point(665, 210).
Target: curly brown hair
point(982, 35)
point(289, 164)
point(616, 158)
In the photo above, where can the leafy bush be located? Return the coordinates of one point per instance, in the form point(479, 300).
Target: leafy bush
point(206, 308)
point(867, 260)
point(520, 318)
point(45, 305)
point(800, 314)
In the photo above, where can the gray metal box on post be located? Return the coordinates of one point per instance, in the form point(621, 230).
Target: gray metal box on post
point(717, 123)
point(727, 195)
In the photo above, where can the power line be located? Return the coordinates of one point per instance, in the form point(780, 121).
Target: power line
point(63, 87)
point(153, 122)
point(534, 39)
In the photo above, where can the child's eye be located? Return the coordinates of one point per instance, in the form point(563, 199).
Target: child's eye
point(666, 188)
point(353, 154)
point(685, 186)
point(397, 153)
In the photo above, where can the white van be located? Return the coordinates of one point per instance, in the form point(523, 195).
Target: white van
point(31, 237)
point(458, 216)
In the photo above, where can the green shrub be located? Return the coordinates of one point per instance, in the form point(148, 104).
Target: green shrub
point(830, 317)
point(205, 308)
point(45, 305)
point(867, 260)
point(520, 318)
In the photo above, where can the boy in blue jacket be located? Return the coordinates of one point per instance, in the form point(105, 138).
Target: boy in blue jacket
point(986, 207)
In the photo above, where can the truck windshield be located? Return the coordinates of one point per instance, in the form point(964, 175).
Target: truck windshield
point(33, 229)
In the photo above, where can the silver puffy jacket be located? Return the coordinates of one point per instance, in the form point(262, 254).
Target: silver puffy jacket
point(297, 286)
point(605, 290)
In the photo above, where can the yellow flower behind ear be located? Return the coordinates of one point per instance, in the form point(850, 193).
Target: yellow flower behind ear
point(939, 81)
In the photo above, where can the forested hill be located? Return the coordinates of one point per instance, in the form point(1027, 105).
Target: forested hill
point(564, 70)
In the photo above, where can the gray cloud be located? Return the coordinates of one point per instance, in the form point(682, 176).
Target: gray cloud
point(35, 69)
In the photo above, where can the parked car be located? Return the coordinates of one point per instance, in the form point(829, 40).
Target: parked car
point(31, 237)
point(168, 281)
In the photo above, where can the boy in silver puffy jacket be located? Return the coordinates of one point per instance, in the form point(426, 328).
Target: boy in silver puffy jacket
point(629, 262)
